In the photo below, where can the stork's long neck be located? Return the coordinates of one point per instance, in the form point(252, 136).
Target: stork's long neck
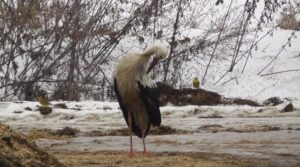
point(143, 60)
point(148, 52)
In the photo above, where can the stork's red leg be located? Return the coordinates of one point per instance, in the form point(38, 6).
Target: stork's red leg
point(145, 153)
point(130, 154)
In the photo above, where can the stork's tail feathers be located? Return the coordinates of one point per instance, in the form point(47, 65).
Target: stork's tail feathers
point(157, 48)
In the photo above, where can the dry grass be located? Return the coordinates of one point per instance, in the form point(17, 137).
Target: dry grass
point(267, 142)
point(120, 159)
point(160, 142)
point(36, 134)
point(162, 130)
point(289, 22)
point(244, 141)
point(61, 134)
point(17, 150)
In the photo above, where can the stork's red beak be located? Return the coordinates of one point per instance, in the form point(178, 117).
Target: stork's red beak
point(153, 64)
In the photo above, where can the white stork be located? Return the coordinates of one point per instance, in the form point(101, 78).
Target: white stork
point(137, 93)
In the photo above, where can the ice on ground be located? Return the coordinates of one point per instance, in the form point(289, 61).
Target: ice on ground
point(259, 132)
point(92, 115)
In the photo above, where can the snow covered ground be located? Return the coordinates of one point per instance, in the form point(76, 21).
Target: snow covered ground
point(93, 115)
point(256, 132)
point(259, 132)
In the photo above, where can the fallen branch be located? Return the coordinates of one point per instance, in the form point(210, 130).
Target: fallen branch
point(188, 96)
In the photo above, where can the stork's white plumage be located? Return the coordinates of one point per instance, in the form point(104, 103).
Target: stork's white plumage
point(136, 91)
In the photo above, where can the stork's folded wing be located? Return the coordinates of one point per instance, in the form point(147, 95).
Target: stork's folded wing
point(124, 109)
point(150, 98)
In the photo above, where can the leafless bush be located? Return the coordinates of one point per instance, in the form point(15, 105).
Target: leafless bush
point(288, 20)
point(66, 48)
point(59, 44)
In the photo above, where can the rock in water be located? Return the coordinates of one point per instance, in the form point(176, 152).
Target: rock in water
point(61, 105)
point(288, 108)
point(67, 131)
point(45, 110)
point(273, 101)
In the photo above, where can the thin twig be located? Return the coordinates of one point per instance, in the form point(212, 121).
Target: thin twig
point(238, 40)
point(217, 43)
point(168, 60)
point(229, 80)
point(279, 72)
point(246, 52)
point(221, 77)
point(280, 51)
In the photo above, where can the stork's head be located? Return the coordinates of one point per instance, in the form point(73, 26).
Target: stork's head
point(160, 53)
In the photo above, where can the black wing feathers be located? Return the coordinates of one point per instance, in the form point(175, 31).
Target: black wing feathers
point(150, 98)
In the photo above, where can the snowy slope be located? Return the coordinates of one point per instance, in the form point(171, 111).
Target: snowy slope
point(250, 83)
point(253, 85)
